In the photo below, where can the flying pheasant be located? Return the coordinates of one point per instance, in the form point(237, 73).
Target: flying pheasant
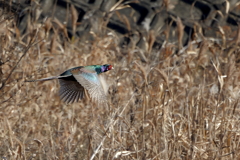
point(74, 80)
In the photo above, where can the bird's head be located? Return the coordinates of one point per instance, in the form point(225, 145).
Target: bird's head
point(106, 67)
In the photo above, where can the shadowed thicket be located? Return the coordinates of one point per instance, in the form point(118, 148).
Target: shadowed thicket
point(161, 104)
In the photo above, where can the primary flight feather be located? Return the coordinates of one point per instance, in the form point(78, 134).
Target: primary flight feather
point(73, 81)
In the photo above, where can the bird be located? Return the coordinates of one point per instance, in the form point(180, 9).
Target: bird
point(73, 82)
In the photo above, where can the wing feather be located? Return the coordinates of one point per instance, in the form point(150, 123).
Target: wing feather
point(70, 89)
point(91, 82)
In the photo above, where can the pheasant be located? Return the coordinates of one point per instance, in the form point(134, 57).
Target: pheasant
point(73, 81)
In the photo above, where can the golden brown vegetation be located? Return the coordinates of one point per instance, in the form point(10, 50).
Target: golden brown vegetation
point(167, 106)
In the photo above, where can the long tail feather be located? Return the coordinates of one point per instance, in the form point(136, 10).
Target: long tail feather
point(43, 79)
point(47, 79)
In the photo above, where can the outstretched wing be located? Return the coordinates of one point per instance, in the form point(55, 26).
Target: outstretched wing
point(90, 81)
point(70, 90)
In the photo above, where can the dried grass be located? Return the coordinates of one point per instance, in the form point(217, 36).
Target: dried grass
point(183, 106)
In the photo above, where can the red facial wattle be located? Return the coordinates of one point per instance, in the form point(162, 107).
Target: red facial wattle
point(110, 67)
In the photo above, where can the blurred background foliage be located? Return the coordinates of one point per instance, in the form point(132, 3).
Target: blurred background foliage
point(172, 95)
